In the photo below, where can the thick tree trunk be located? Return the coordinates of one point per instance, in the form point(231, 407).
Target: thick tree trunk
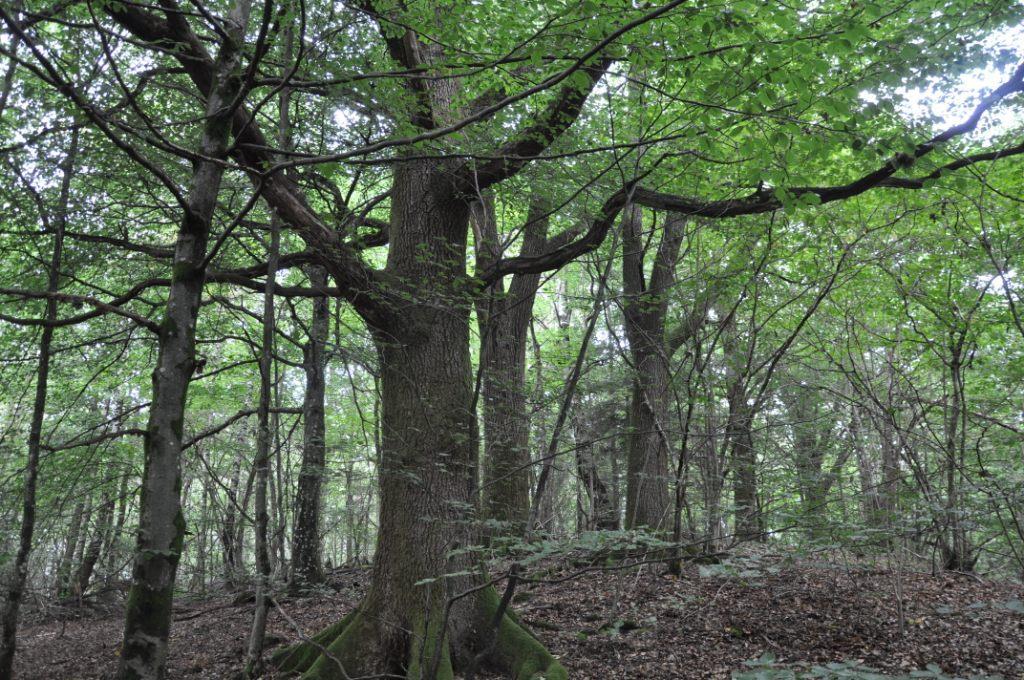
point(307, 559)
point(161, 530)
point(648, 502)
point(744, 470)
point(16, 587)
point(504, 320)
point(417, 620)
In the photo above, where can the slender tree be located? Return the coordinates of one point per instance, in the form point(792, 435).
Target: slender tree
point(16, 586)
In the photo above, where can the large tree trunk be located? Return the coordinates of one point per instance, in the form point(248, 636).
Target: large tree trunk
point(416, 621)
point(161, 530)
point(307, 560)
point(744, 470)
point(648, 502)
point(503, 320)
point(16, 587)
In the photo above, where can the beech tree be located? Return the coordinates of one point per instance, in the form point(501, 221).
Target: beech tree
point(447, 104)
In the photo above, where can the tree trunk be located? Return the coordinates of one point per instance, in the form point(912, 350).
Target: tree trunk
point(112, 550)
point(16, 587)
point(161, 530)
point(744, 470)
point(307, 560)
point(957, 552)
point(415, 620)
point(802, 406)
point(866, 471)
point(92, 552)
point(504, 319)
point(740, 437)
point(601, 512)
point(199, 576)
point(648, 501)
point(229, 529)
point(63, 572)
point(254, 656)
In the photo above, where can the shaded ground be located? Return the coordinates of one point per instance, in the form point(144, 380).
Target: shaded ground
point(635, 623)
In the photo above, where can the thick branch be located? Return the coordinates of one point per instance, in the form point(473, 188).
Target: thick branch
point(558, 117)
point(768, 200)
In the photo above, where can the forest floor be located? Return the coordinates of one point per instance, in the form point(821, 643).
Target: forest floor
point(629, 623)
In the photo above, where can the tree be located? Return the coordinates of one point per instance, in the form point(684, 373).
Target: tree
point(56, 224)
point(429, 610)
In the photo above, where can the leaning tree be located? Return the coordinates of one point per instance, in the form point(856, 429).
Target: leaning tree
point(755, 104)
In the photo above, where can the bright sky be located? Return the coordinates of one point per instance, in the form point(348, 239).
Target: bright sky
point(950, 106)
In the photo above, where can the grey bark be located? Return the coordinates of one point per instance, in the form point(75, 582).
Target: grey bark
point(92, 552)
point(645, 308)
point(503, 321)
point(254, 656)
point(161, 521)
point(307, 558)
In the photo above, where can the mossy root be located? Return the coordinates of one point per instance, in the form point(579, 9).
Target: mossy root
point(300, 657)
point(347, 648)
point(516, 650)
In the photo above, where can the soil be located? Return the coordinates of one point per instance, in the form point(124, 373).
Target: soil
point(638, 622)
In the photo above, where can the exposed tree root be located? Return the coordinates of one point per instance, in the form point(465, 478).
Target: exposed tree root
point(347, 649)
point(299, 658)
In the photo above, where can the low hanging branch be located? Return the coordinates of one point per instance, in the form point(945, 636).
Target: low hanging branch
point(771, 199)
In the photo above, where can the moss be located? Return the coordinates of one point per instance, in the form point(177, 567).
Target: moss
point(181, 271)
point(424, 645)
point(347, 654)
point(298, 658)
point(147, 621)
point(516, 649)
point(353, 642)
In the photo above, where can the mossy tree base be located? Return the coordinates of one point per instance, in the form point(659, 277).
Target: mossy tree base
point(351, 648)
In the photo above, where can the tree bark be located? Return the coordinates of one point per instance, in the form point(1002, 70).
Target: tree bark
point(229, 529)
point(161, 521)
point(307, 558)
point(810, 445)
point(648, 502)
point(426, 612)
point(744, 469)
point(67, 559)
point(503, 321)
point(92, 552)
point(112, 549)
point(254, 656)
